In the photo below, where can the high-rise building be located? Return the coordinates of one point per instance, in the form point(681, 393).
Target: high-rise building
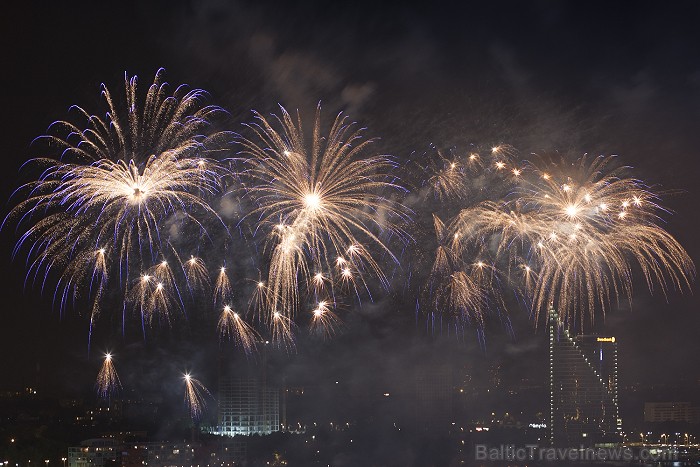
point(247, 406)
point(249, 403)
point(583, 388)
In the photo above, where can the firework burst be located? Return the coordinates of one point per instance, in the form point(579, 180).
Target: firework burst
point(577, 233)
point(195, 393)
point(232, 326)
point(196, 274)
point(282, 330)
point(457, 278)
point(155, 294)
point(107, 379)
point(100, 207)
point(324, 322)
point(317, 203)
point(447, 179)
point(222, 288)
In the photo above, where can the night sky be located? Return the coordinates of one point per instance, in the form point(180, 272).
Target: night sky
point(587, 77)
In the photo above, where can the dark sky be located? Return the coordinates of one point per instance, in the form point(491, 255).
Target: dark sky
point(575, 77)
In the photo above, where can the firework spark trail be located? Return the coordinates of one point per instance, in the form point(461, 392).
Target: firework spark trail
point(282, 330)
point(232, 326)
point(321, 199)
point(318, 284)
point(222, 288)
point(115, 183)
point(579, 232)
point(195, 393)
point(258, 302)
point(155, 294)
point(196, 274)
point(324, 322)
point(139, 295)
point(107, 379)
point(444, 255)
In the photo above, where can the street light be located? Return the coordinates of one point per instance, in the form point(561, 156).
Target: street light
point(64, 461)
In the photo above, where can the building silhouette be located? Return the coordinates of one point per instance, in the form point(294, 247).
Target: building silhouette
point(432, 395)
point(583, 388)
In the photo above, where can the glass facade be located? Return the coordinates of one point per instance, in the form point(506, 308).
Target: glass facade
point(583, 388)
point(247, 407)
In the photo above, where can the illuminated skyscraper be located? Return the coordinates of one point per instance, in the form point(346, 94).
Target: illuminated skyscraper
point(247, 407)
point(583, 388)
point(248, 403)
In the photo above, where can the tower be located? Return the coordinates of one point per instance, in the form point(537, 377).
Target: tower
point(583, 378)
point(248, 404)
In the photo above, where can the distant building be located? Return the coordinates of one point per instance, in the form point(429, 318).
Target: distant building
point(134, 409)
point(583, 388)
point(93, 453)
point(248, 403)
point(434, 391)
point(184, 454)
point(247, 406)
point(671, 412)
